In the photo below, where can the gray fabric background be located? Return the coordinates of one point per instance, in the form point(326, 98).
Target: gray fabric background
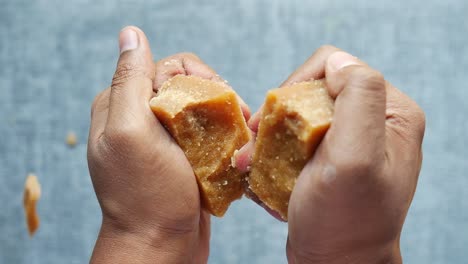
point(55, 56)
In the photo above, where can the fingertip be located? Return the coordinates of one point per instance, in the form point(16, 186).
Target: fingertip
point(128, 39)
point(339, 60)
point(335, 64)
point(245, 108)
point(243, 157)
point(132, 38)
point(313, 68)
point(254, 121)
point(185, 63)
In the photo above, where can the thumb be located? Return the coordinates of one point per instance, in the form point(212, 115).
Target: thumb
point(358, 130)
point(132, 84)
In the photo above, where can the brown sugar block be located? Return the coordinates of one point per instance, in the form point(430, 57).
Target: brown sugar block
point(32, 193)
point(294, 121)
point(205, 119)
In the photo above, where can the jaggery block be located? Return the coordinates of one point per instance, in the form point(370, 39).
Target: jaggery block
point(294, 121)
point(32, 193)
point(206, 120)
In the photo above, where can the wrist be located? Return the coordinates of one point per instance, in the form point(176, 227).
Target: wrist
point(118, 245)
point(378, 254)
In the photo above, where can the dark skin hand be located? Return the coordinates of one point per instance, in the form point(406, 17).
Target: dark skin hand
point(144, 183)
point(351, 199)
point(349, 203)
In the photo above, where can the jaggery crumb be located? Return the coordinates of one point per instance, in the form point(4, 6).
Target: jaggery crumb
point(233, 159)
point(71, 139)
point(32, 193)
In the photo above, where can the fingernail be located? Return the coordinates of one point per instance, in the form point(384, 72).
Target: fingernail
point(340, 59)
point(128, 39)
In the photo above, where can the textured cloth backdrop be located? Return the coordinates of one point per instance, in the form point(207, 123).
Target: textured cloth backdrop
point(57, 55)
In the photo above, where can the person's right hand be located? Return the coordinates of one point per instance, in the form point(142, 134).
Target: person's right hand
point(351, 199)
point(144, 183)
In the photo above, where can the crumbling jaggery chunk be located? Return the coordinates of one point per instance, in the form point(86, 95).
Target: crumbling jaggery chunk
point(294, 121)
point(32, 193)
point(205, 119)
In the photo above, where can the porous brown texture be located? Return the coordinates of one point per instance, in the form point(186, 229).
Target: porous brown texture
point(294, 121)
point(32, 193)
point(205, 119)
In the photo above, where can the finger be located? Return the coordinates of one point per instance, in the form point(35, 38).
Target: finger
point(189, 64)
point(358, 128)
point(99, 113)
point(243, 157)
point(254, 120)
point(183, 63)
point(405, 127)
point(131, 87)
point(404, 118)
point(252, 196)
point(313, 68)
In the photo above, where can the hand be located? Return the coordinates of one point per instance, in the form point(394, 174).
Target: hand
point(145, 185)
point(351, 199)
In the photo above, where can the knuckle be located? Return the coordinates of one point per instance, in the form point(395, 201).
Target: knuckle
point(359, 174)
point(95, 103)
point(419, 118)
point(326, 49)
point(125, 71)
point(188, 55)
point(124, 136)
point(353, 165)
point(98, 100)
point(367, 78)
point(96, 153)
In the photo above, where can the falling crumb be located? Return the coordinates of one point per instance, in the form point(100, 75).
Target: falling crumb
point(225, 182)
point(71, 139)
point(32, 193)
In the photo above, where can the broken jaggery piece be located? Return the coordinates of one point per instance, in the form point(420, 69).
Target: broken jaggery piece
point(294, 121)
point(32, 193)
point(205, 119)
